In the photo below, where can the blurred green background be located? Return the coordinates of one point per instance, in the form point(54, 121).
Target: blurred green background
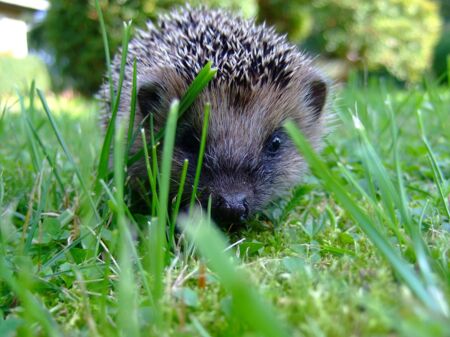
point(402, 39)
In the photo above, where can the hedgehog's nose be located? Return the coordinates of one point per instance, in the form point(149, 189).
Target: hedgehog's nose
point(230, 208)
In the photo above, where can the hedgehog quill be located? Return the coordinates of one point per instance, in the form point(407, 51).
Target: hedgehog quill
point(262, 80)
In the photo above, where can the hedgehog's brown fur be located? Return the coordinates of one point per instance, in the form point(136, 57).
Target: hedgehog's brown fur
point(262, 81)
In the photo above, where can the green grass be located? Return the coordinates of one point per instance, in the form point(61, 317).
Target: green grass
point(361, 250)
point(22, 71)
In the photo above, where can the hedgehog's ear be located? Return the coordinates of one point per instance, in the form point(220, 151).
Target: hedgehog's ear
point(317, 96)
point(150, 98)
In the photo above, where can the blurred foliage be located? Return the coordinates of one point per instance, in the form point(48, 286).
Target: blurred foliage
point(396, 35)
point(292, 17)
point(445, 9)
point(442, 52)
point(442, 55)
point(22, 71)
point(71, 34)
point(399, 35)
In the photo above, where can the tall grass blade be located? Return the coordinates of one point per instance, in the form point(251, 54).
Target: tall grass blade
point(179, 196)
point(129, 237)
point(248, 305)
point(106, 48)
point(349, 177)
point(42, 200)
point(381, 242)
point(201, 153)
point(448, 70)
point(2, 189)
point(199, 327)
point(154, 157)
point(127, 294)
point(47, 155)
point(200, 82)
point(437, 173)
point(33, 310)
point(151, 176)
point(420, 249)
point(158, 244)
point(67, 152)
point(106, 148)
point(132, 107)
point(35, 157)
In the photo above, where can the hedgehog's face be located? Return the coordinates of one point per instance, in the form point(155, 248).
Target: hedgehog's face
point(249, 159)
point(242, 171)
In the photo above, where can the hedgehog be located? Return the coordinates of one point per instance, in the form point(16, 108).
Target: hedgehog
point(262, 80)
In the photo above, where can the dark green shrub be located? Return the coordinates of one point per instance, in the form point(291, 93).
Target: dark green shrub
point(445, 9)
point(442, 51)
point(441, 55)
point(70, 33)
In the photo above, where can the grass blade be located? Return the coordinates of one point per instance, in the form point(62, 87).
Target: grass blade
point(106, 148)
point(132, 107)
point(106, 48)
point(35, 158)
point(158, 243)
point(42, 200)
point(46, 154)
point(151, 176)
point(421, 251)
point(200, 82)
point(401, 267)
point(127, 295)
point(201, 153)
point(33, 310)
point(67, 152)
point(248, 305)
point(178, 202)
point(437, 173)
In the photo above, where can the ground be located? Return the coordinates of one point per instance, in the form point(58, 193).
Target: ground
point(311, 265)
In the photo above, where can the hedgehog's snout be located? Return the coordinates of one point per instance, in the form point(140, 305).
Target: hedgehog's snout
point(230, 207)
point(231, 197)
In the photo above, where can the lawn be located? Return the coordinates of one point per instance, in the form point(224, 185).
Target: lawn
point(361, 248)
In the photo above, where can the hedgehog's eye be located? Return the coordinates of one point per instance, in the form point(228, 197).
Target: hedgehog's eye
point(274, 142)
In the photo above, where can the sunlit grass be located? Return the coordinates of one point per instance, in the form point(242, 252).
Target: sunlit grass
point(321, 260)
point(359, 249)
